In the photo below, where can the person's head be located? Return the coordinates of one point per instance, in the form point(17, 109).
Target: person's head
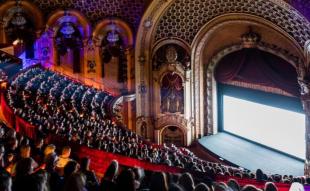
point(66, 151)
point(5, 182)
point(259, 174)
point(40, 181)
point(221, 186)
point(249, 187)
point(126, 181)
point(296, 186)
point(49, 149)
point(85, 162)
point(112, 171)
point(76, 182)
point(24, 167)
point(233, 184)
point(70, 168)
point(39, 143)
point(270, 186)
point(25, 151)
point(186, 181)
point(159, 182)
point(201, 187)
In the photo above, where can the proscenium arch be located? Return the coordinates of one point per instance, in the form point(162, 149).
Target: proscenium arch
point(211, 85)
point(199, 62)
point(146, 37)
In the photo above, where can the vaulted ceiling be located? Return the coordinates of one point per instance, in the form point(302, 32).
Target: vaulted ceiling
point(130, 11)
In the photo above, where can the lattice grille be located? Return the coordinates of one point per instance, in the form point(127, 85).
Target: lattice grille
point(184, 18)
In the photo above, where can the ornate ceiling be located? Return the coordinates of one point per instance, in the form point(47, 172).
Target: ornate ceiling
point(130, 11)
point(183, 19)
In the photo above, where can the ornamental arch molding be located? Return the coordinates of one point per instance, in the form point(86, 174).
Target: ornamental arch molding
point(74, 16)
point(194, 22)
point(31, 10)
point(210, 87)
point(121, 26)
point(200, 76)
point(185, 18)
point(8, 10)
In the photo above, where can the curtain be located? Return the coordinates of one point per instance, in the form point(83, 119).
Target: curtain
point(258, 67)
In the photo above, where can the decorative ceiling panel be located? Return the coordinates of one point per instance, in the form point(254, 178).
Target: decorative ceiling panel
point(185, 18)
point(130, 11)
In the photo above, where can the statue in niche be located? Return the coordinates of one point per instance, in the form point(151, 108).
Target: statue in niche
point(172, 94)
point(144, 129)
point(171, 55)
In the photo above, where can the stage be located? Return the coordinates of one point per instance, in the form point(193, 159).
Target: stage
point(251, 156)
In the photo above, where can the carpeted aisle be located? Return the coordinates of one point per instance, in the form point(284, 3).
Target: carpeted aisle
point(251, 156)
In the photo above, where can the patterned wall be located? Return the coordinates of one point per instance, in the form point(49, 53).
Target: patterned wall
point(184, 18)
point(130, 11)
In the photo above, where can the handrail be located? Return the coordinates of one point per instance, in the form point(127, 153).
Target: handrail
point(14, 58)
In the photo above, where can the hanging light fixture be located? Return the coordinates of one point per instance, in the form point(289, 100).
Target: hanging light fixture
point(113, 36)
point(18, 19)
point(67, 30)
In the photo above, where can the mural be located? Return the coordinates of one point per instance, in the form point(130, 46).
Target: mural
point(172, 93)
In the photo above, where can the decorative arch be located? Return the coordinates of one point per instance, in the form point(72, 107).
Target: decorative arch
point(58, 17)
point(167, 19)
point(22, 23)
point(173, 135)
point(82, 32)
point(166, 41)
point(31, 9)
point(200, 44)
point(211, 88)
point(172, 120)
point(123, 28)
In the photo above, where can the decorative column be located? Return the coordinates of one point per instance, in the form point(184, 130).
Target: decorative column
point(304, 82)
point(2, 32)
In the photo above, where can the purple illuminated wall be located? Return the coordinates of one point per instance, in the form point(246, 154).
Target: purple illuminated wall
point(302, 6)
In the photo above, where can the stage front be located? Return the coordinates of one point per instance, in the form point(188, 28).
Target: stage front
point(251, 156)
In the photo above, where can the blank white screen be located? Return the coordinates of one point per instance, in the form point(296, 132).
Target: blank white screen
point(277, 128)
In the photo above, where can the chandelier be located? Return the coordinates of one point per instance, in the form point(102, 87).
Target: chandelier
point(113, 36)
point(67, 30)
point(18, 19)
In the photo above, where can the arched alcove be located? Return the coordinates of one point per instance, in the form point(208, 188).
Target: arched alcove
point(22, 23)
point(63, 42)
point(113, 39)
